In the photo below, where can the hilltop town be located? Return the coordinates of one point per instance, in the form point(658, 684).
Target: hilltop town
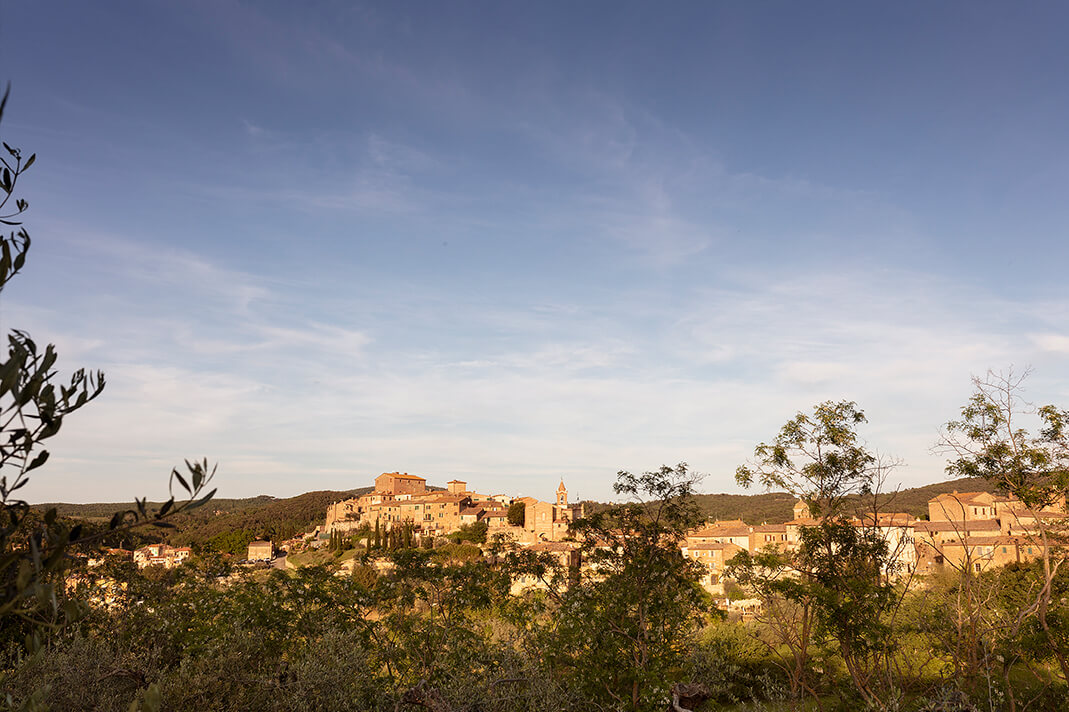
point(400, 498)
point(975, 530)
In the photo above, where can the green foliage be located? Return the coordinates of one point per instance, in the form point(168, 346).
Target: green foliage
point(234, 542)
point(474, 533)
point(988, 442)
point(734, 667)
point(833, 585)
point(457, 552)
point(623, 630)
point(815, 457)
point(517, 514)
point(266, 517)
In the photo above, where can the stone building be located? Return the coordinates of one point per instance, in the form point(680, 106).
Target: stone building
point(161, 555)
point(961, 506)
point(397, 483)
point(549, 521)
point(261, 550)
point(714, 556)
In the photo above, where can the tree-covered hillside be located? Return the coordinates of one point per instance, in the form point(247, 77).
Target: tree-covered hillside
point(228, 524)
point(275, 519)
point(777, 507)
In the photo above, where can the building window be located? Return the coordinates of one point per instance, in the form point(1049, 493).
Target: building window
point(1003, 550)
point(977, 565)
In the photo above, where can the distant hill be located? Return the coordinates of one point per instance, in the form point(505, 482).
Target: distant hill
point(915, 500)
point(275, 519)
point(103, 510)
point(230, 524)
point(777, 507)
point(225, 524)
point(767, 508)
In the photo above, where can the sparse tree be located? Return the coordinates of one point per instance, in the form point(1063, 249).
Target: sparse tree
point(989, 441)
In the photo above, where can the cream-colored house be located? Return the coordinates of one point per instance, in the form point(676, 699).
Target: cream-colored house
point(261, 550)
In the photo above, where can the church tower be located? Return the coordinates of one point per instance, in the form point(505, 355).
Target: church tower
point(562, 494)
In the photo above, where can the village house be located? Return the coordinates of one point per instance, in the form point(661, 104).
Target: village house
point(768, 536)
point(549, 521)
point(161, 555)
point(979, 531)
point(122, 554)
point(714, 556)
point(400, 499)
point(961, 506)
point(734, 531)
point(261, 550)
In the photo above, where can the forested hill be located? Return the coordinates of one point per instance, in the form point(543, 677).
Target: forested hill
point(228, 524)
point(102, 511)
point(275, 520)
point(777, 507)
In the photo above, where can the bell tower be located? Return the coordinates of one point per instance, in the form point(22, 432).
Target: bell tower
point(562, 495)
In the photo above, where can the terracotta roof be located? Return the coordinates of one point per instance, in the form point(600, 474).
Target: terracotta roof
point(429, 498)
point(888, 519)
point(962, 497)
point(404, 476)
point(712, 547)
point(771, 528)
point(734, 528)
point(974, 525)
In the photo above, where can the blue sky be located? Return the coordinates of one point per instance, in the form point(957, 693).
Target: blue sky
point(510, 242)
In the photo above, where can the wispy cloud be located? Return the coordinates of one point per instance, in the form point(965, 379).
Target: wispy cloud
point(286, 404)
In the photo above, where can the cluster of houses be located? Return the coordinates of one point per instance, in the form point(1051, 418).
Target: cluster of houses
point(974, 530)
point(151, 555)
point(964, 530)
point(403, 499)
point(161, 555)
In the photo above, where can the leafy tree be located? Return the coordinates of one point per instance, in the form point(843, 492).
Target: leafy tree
point(1033, 467)
point(834, 583)
point(33, 406)
point(622, 631)
point(817, 458)
point(235, 542)
point(475, 533)
point(517, 514)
